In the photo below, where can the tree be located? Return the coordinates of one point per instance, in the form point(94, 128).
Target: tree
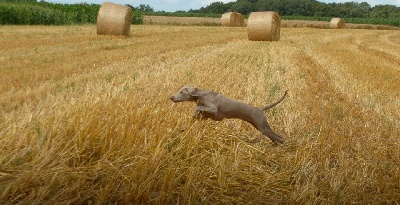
point(300, 7)
point(385, 11)
point(145, 8)
point(216, 8)
point(348, 9)
point(321, 10)
point(243, 7)
point(267, 5)
point(306, 8)
point(289, 7)
point(364, 6)
point(363, 9)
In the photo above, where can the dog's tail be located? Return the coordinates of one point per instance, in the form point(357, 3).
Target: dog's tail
point(274, 104)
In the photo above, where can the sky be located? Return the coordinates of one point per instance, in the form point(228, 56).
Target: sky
point(185, 5)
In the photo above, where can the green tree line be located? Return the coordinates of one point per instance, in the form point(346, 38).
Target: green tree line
point(31, 12)
point(353, 12)
point(305, 8)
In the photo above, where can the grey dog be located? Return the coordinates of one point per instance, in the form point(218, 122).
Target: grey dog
point(217, 107)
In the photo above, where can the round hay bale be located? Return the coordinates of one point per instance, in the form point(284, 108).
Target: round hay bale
point(240, 20)
point(264, 26)
point(232, 19)
point(337, 23)
point(114, 19)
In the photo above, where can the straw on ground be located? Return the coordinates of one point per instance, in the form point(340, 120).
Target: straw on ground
point(86, 118)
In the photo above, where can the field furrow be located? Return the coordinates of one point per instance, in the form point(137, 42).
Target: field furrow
point(347, 128)
point(371, 77)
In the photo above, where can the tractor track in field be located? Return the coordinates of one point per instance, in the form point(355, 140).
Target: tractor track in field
point(333, 107)
point(370, 76)
point(323, 102)
point(382, 55)
point(353, 133)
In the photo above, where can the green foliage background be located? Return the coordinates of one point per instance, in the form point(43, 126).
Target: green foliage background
point(353, 12)
point(43, 13)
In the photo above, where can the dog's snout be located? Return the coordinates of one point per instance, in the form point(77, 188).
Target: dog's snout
point(172, 98)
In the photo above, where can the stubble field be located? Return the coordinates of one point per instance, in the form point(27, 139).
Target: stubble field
point(86, 119)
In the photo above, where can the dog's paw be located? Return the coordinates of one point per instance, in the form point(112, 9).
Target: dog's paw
point(197, 115)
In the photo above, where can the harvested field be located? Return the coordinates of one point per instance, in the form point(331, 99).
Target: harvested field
point(173, 20)
point(86, 119)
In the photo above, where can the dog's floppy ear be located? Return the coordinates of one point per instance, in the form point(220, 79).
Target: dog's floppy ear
point(193, 91)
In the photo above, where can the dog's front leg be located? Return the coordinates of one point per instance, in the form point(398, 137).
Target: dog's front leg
point(207, 110)
point(198, 115)
point(203, 111)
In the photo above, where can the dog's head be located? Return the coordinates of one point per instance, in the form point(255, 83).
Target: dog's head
point(186, 93)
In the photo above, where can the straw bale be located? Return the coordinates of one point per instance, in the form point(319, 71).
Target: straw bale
point(264, 26)
point(114, 19)
point(240, 19)
point(232, 19)
point(337, 23)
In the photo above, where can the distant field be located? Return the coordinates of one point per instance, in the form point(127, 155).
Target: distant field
point(208, 21)
point(86, 119)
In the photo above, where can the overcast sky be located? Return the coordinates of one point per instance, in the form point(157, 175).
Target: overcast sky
point(175, 5)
